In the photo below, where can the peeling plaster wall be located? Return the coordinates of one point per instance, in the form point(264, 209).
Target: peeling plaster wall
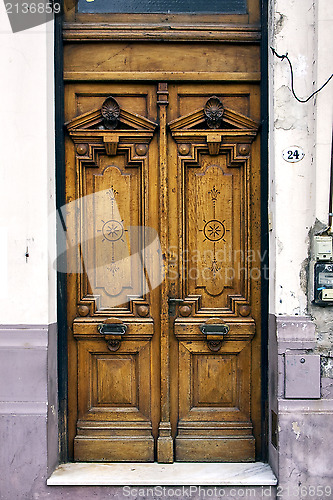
point(324, 105)
point(299, 192)
point(292, 123)
point(298, 206)
point(323, 317)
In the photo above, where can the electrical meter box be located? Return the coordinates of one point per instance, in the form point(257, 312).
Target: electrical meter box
point(323, 278)
point(323, 248)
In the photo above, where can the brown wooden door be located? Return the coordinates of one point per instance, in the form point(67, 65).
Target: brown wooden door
point(112, 172)
point(214, 258)
point(163, 224)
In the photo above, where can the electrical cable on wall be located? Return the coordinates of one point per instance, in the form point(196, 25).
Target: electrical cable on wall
point(285, 56)
point(327, 229)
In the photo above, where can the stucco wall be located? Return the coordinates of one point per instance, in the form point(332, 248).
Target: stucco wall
point(27, 173)
point(299, 191)
point(299, 200)
point(28, 403)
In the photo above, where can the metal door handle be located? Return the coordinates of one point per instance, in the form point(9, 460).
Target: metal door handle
point(112, 330)
point(215, 330)
point(172, 305)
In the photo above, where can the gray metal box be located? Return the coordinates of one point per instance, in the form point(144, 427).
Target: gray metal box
point(302, 376)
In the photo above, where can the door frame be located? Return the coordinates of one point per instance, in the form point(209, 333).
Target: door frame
point(62, 351)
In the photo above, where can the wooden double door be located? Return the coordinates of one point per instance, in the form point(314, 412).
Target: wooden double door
point(163, 228)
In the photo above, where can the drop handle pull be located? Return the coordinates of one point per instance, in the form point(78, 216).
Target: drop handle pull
point(214, 330)
point(112, 330)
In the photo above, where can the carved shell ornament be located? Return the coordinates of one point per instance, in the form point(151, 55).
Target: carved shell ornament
point(110, 111)
point(214, 111)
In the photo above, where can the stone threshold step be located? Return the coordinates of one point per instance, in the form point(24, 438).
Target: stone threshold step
point(154, 474)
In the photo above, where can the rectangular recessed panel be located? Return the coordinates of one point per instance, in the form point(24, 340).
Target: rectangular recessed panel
point(216, 449)
point(111, 240)
point(183, 59)
point(162, 6)
point(136, 103)
point(302, 376)
point(116, 380)
point(215, 223)
point(187, 103)
point(214, 380)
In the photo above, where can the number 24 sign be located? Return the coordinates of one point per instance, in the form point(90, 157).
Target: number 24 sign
point(293, 154)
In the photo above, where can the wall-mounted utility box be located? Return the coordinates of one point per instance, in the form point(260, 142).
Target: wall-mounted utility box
point(323, 283)
point(302, 376)
point(323, 248)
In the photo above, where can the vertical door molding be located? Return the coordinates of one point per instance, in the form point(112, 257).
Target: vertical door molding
point(165, 441)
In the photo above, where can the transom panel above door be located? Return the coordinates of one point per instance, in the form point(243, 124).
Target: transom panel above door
point(163, 219)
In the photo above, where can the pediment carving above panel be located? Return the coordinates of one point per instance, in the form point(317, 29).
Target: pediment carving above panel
point(214, 125)
point(111, 126)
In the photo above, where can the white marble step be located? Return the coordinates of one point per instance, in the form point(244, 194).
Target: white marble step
point(151, 474)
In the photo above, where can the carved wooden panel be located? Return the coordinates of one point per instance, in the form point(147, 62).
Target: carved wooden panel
point(114, 381)
point(213, 150)
point(111, 348)
point(112, 274)
point(210, 223)
point(214, 172)
point(114, 402)
point(112, 173)
point(214, 403)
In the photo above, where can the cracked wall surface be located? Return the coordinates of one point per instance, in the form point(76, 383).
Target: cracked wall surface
point(299, 200)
